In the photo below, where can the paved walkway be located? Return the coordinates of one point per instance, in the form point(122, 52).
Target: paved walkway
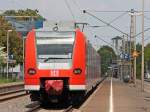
point(123, 98)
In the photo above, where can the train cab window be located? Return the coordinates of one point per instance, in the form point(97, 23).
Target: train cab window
point(56, 46)
point(54, 51)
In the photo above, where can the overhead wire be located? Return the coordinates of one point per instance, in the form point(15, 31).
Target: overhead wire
point(84, 11)
point(104, 41)
point(108, 24)
point(99, 37)
point(147, 38)
point(118, 17)
point(144, 30)
point(109, 44)
point(124, 13)
point(141, 32)
point(109, 11)
point(106, 11)
point(102, 35)
point(112, 22)
point(69, 8)
point(113, 26)
point(77, 5)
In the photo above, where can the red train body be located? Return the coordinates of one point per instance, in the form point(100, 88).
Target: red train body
point(59, 64)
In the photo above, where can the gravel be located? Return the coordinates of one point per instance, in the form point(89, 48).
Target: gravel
point(15, 105)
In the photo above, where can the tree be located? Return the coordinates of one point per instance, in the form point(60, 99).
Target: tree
point(2, 59)
point(107, 55)
point(27, 12)
point(2, 56)
point(147, 57)
point(138, 61)
point(147, 53)
point(15, 42)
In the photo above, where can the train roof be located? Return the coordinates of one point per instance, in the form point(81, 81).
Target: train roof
point(55, 29)
point(58, 26)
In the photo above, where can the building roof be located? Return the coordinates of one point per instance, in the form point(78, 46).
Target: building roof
point(117, 38)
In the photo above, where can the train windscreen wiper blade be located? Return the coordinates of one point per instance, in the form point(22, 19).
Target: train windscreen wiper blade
point(54, 58)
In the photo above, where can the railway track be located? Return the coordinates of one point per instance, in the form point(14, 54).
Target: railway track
point(147, 80)
point(33, 107)
point(12, 95)
point(11, 91)
point(4, 88)
point(146, 85)
point(69, 109)
point(36, 107)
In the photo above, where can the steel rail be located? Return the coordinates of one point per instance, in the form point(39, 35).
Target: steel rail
point(69, 109)
point(37, 106)
point(11, 92)
point(12, 96)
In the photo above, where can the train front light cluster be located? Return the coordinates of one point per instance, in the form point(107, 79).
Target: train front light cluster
point(77, 71)
point(31, 71)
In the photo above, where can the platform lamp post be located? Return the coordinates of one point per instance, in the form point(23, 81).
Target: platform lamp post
point(8, 31)
point(23, 53)
point(142, 69)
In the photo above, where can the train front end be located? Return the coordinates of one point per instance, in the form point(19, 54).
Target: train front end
point(55, 64)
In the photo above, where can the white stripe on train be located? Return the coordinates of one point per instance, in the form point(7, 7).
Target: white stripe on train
point(77, 87)
point(71, 87)
point(32, 87)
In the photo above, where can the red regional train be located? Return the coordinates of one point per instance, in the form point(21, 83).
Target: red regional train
point(59, 65)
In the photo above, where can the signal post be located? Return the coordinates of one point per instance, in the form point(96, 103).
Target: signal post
point(135, 54)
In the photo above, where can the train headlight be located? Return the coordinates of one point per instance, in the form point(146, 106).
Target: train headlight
point(77, 71)
point(31, 71)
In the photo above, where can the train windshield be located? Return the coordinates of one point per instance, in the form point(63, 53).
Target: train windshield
point(54, 45)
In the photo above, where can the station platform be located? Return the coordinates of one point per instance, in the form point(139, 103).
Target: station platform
point(120, 97)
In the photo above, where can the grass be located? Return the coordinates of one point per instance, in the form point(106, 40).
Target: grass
point(5, 80)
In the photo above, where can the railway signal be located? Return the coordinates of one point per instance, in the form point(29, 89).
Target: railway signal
point(135, 54)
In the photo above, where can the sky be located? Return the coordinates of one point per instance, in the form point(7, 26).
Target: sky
point(59, 11)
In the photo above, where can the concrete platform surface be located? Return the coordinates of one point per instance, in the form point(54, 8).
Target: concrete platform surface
point(121, 97)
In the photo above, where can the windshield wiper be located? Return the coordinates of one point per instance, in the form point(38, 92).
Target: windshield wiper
point(54, 58)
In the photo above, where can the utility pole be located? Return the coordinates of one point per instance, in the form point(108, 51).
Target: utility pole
point(133, 39)
point(134, 50)
point(142, 69)
point(132, 33)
